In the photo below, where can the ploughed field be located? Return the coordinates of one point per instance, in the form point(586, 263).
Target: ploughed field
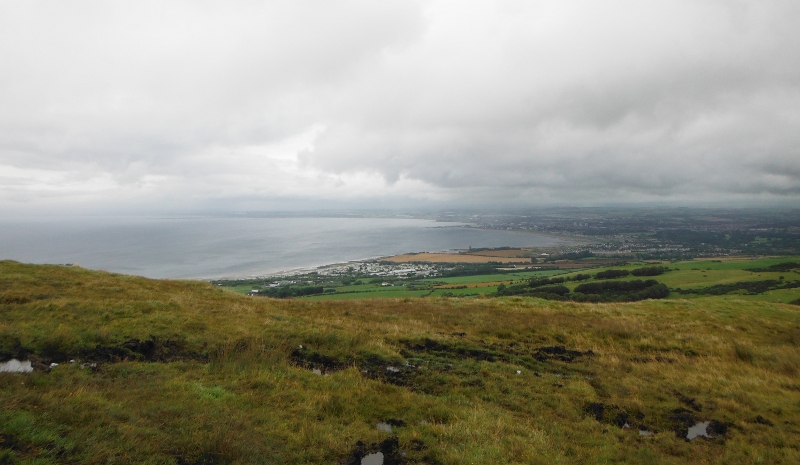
point(156, 371)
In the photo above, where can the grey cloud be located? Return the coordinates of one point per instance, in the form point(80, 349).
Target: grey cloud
point(500, 101)
point(696, 106)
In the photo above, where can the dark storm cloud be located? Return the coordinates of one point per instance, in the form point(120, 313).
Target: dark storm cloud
point(515, 102)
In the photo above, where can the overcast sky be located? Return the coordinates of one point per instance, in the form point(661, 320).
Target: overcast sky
point(239, 105)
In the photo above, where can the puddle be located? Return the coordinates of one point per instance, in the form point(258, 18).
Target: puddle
point(384, 453)
point(385, 427)
point(699, 429)
point(373, 459)
point(15, 366)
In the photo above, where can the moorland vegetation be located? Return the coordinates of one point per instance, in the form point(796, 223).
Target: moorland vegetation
point(158, 371)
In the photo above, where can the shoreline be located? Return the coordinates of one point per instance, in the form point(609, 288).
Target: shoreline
point(459, 252)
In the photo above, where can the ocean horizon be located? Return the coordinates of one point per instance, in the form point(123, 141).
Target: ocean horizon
point(225, 247)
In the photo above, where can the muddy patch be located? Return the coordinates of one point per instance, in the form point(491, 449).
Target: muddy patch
point(762, 421)
point(425, 361)
point(684, 423)
point(688, 427)
point(613, 414)
point(318, 363)
point(621, 418)
point(596, 410)
point(370, 365)
point(383, 453)
point(389, 452)
point(453, 351)
point(148, 350)
point(561, 353)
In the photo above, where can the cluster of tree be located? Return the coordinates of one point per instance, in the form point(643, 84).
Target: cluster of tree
point(540, 290)
point(536, 282)
point(609, 291)
point(650, 270)
point(611, 274)
point(752, 287)
point(621, 291)
point(285, 292)
point(780, 267)
point(644, 271)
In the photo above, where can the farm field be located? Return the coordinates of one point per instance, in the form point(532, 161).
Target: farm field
point(176, 372)
point(693, 274)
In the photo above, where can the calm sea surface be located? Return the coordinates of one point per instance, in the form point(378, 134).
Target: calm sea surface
point(235, 247)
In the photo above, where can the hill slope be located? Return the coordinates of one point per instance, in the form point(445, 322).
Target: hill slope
point(185, 372)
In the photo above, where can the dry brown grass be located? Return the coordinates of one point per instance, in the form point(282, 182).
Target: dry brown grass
point(507, 253)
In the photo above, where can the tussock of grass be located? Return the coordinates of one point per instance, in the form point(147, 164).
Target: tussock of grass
point(188, 373)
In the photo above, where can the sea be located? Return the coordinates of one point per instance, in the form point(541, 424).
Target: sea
point(236, 247)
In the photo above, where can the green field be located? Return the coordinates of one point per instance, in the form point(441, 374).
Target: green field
point(685, 275)
point(493, 277)
point(377, 292)
point(188, 373)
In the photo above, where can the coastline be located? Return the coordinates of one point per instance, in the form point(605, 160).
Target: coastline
point(569, 241)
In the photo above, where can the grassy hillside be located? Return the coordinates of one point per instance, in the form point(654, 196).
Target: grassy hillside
point(185, 372)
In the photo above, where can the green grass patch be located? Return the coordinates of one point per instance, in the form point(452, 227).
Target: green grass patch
point(229, 379)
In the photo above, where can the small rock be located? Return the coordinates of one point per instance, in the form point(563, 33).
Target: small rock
point(385, 427)
point(519, 372)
